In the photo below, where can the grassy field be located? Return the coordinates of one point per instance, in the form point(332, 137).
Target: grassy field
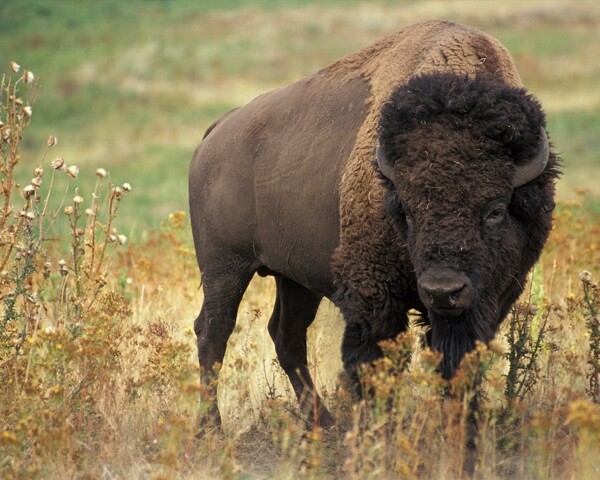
point(97, 355)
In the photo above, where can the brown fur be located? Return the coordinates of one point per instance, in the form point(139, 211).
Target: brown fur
point(435, 46)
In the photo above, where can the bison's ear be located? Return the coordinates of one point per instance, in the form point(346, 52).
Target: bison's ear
point(385, 166)
point(394, 210)
point(531, 201)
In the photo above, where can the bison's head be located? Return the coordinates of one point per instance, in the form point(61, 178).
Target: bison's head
point(470, 180)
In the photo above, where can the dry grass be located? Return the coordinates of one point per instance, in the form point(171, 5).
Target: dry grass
point(98, 358)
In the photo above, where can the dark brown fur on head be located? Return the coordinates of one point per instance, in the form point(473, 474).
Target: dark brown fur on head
point(454, 143)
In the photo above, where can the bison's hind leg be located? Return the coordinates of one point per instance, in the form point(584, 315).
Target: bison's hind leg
point(223, 290)
point(294, 311)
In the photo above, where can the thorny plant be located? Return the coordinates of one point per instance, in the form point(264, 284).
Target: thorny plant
point(55, 316)
point(525, 337)
point(26, 229)
point(591, 307)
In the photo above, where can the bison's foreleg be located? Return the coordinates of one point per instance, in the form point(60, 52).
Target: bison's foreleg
point(360, 345)
point(294, 311)
point(358, 348)
point(370, 319)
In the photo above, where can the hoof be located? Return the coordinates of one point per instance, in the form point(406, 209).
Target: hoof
point(207, 431)
point(209, 424)
point(324, 420)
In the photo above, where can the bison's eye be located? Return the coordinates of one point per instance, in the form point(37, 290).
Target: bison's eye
point(495, 215)
point(408, 218)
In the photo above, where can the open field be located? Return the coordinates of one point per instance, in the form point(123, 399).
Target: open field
point(132, 85)
point(97, 355)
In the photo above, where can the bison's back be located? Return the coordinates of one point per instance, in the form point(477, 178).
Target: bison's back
point(266, 178)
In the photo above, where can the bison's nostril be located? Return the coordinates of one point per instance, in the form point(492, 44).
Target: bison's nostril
point(446, 291)
point(456, 295)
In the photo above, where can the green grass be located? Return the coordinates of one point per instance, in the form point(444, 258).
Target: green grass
point(131, 86)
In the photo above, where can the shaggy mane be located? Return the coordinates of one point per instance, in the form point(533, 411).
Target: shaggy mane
point(425, 48)
point(487, 110)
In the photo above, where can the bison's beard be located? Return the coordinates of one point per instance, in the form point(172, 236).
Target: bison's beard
point(454, 337)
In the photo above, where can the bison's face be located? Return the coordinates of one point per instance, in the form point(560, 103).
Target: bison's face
point(453, 211)
point(472, 206)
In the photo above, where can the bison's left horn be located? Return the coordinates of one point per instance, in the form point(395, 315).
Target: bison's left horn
point(526, 173)
point(386, 168)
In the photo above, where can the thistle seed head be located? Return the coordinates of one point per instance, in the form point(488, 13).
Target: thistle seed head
point(58, 163)
point(73, 171)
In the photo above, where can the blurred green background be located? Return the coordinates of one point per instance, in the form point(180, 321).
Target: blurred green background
point(131, 85)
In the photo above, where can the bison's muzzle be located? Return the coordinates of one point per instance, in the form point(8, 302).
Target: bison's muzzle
point(447, 292)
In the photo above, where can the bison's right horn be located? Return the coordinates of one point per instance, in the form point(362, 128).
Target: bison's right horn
point(386, 168)
point(526, 173)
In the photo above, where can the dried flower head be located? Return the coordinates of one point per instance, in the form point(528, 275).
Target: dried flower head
point(36, 182)
point(58, 163)
point(117, 193)
point(30, 215)
point(64, 271)
point(90, 212)
point(38, 172)
point(73, 171)
point(585, 276)
point(28, 191)
point(101, 173)
point(78, 199)
point(14, 67)
point(126, 187)
point(27, 111)
point(52, 140)
point(122, 239)
point(28, 76)
point(69, 210)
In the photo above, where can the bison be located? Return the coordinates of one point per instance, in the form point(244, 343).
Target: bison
point(413, 174)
